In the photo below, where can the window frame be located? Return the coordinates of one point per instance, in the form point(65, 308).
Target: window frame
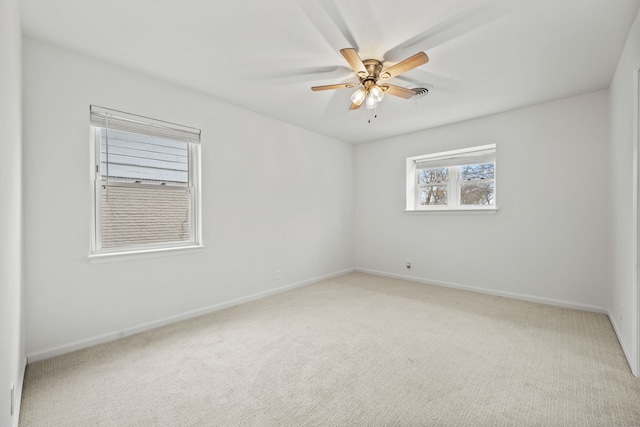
point(98, 253)
point(460, 183)
point(454, 184)
point(418, 190)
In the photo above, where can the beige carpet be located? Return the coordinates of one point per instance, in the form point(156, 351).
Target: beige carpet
point(357, 350)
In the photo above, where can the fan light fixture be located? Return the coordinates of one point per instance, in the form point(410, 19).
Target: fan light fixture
point(358, 96)
point(370, 103)
point(371, 96)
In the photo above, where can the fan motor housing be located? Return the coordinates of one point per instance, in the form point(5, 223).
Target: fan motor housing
point(374, 67)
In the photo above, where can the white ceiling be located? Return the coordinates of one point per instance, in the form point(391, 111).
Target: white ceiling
point(486, 56)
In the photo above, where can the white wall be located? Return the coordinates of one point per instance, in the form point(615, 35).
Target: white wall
point(548, 241)
point(623, 297)
point(12, 354)
point(274, 197)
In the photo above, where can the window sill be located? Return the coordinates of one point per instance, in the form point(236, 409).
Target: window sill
point(480, 211)
point(99, 258)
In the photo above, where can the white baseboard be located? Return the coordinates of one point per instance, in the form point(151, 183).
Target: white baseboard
point(627, 353)
point(99, 339)
point(513, 295)
point(72, 346)
point(18, 392)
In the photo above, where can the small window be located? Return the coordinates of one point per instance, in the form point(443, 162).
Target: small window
point(433, 186)
point(452, 180)
point(146, 184)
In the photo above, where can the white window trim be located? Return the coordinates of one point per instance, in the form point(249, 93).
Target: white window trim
point(98, 254)
point(98, 258)
point(412, 186)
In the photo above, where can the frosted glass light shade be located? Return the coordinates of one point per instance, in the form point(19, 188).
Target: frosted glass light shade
point(370, 103)
point(376, 93)
point(358, 96)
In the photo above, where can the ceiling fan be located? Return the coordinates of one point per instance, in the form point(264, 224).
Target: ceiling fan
point(373, 85)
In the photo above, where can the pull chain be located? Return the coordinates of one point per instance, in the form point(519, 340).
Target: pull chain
point(375, 114)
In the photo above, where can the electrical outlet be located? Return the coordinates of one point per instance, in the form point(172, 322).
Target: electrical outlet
point(277, 274)
point(408, 265)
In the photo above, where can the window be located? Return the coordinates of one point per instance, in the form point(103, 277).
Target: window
point(452, 180)
point(146, 184)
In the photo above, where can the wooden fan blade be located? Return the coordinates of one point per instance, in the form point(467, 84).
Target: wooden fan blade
point(394, 90)
point(338, 86)
point(410, 63)
point(354, 61)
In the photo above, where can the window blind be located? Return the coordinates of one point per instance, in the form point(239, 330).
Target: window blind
point(119, 120)
point(136, 157)
point(487, 155)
